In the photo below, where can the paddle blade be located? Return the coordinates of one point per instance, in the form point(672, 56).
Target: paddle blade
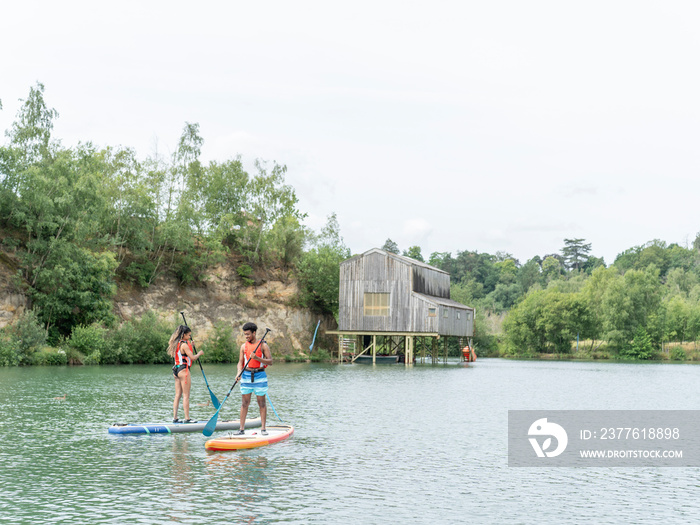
point(211, 425)
point(311, 348)
point(214, 401)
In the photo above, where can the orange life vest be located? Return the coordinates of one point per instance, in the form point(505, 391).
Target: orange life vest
point(249, 349)
point(180, 357)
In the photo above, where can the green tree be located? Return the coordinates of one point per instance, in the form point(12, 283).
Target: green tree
point(31, 132)
point(507, 271)
point(678, 314)
point(391, 247)
point(547, 320)
point(287, 239)
point(575, 253)
point(594, 291)
point(319, 269)
point(551, 268)
point(414, 252)
point(528, 275)
point(268, 200)
point(680, 282)
point(75, 287)
point(592, 263)
point(504, 296)
point(223, 191)
point(629, 303)
point(641, 346)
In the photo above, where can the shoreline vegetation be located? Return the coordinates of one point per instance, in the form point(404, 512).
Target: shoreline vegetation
point(78, 224)
point(672, 352)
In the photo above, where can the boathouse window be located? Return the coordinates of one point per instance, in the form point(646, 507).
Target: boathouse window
point(432, 312)
point(446, 314)
point(459, 315)
point(377, 304)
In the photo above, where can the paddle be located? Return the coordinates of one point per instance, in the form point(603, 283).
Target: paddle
point(214, 401)
point(273, 408)
point(311, 348)
point(211, 424)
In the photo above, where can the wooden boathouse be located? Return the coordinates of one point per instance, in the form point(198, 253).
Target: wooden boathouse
point(400, 302)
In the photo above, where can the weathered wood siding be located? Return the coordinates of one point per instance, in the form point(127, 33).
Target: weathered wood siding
point(374, 273)
point(378, 272)
point(430, 282)
point(450, 325)
point(420, 320)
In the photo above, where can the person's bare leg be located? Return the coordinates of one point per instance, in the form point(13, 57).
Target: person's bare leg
point(178, 395)
point(186, 385)
point(245, 403)
point(263, 410)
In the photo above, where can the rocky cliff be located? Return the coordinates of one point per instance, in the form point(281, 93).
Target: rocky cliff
point(222, 298)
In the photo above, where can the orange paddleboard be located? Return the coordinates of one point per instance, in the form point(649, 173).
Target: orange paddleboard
point(251, 439)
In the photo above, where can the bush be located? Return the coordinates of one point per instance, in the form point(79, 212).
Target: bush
point(141, 273)
point(50, 356)
point(640, 348)
point(678, 354)
point(28, 335)
point(244, 271)
point(294, 358)
point(10, 354)
point(74, 356)
point(320, 355)
point(86, 340)
point(221, 346)
point(142, 340)
point(30, 332)
point(74, 287)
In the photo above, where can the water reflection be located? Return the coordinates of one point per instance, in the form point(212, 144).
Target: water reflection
point(245, 476)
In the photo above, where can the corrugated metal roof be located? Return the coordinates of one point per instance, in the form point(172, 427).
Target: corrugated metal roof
point(443, 301)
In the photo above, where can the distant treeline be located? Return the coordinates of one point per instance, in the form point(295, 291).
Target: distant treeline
point(648, 296)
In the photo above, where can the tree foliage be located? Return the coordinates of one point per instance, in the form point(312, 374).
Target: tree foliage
point(81, 219)
point(391, 247)
point(319, 269)
point(84, 216)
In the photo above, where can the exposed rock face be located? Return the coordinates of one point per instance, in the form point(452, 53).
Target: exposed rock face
point(224, 299)
point(12, 305)
point(221, 299)
point(12, 301)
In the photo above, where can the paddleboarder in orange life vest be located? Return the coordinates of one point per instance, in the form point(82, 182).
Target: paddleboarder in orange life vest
point(180, 348)
point(253, 377)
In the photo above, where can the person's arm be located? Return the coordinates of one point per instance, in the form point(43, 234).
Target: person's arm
point(241, 361)
point(189, 353)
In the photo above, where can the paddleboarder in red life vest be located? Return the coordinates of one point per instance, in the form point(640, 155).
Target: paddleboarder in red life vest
point(253, 377)
point(180, 348)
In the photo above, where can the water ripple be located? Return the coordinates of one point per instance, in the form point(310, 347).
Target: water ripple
point(372, 445)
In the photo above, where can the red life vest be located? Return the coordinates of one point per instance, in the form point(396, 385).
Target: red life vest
point(182, 358)
point(249, 349)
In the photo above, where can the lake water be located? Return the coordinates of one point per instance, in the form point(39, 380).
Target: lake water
point(384, 444)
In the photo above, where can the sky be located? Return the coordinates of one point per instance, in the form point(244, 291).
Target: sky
point(500, 126)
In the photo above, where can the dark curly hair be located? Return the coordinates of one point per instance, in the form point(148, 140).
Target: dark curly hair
point(250, 326)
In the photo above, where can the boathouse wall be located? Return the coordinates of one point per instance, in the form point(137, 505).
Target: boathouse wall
point(411, 296)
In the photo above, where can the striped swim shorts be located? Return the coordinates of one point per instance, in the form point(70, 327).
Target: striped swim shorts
point(259, 386)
